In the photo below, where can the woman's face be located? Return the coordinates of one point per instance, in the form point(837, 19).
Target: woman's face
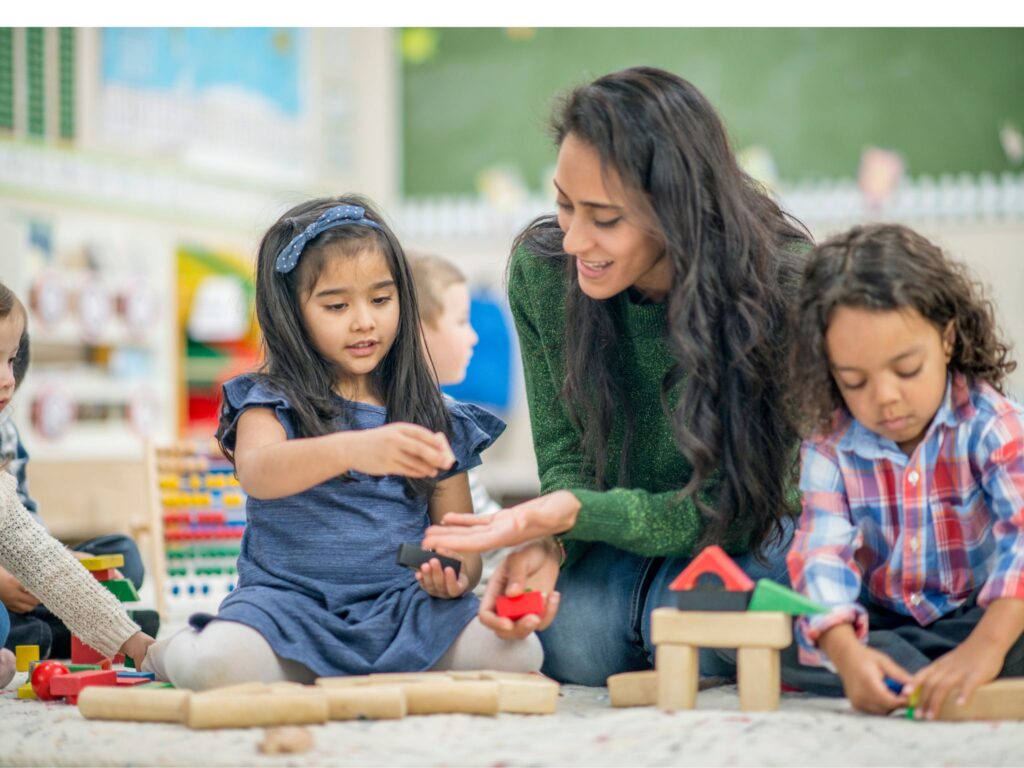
point(606, 234)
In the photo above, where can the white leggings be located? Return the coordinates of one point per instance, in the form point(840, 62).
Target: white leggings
point(228, 653)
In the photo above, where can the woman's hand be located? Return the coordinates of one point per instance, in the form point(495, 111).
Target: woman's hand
point(14, 595)
point(534, 566)
point(399, 449)
point(534, 519)
point(440, 581)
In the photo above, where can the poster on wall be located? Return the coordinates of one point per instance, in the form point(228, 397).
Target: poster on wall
point(234, 100)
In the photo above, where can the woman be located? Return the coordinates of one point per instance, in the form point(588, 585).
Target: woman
point(652, 321)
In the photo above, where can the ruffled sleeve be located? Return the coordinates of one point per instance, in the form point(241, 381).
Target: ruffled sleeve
point(252, 391)
point(473, 431)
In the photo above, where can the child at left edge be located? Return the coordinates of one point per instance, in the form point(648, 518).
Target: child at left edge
point(912, 529)
point(346, 449)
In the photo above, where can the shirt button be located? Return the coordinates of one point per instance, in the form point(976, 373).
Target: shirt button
point(915, 599)
point(913, 544)
point(913, 477)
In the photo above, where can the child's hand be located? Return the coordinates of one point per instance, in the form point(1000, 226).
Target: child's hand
point(964, 668)
point(136, 647)
point(401, 449)
point(863, 671)
point(14, 595)
point(442, 582)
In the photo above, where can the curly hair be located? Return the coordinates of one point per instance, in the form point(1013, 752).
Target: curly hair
point(735, 271)
point(885, 267)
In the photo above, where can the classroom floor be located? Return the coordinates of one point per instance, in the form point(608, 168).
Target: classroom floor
point(584, 732)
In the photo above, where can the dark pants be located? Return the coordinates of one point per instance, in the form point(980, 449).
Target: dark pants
point(42, 628)
point(909, 644)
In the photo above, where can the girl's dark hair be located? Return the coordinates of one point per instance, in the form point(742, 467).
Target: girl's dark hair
point(9, 302)
point(734, 273)
point(884, 267)
point(291, 363)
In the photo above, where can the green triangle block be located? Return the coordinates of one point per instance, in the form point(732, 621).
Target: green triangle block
point(122, 589)
point(769, 596)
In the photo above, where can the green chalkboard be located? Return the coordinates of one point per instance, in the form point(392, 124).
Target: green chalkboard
point(814, 97)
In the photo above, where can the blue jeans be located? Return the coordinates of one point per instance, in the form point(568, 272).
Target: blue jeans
point(5, 624)
point(603, 625)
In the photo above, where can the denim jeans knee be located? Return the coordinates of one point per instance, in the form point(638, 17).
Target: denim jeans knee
point(5, 625)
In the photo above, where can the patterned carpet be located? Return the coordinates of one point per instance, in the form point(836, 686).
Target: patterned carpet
point(584, 732)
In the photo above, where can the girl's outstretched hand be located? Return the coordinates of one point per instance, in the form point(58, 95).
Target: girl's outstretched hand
point(534, 566)
point(440, 581)
point(534, 519)
point(400, 449)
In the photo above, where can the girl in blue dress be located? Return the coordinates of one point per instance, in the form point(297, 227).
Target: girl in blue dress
point(346, 449)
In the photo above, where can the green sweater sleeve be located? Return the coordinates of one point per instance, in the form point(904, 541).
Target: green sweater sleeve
point(635, 520)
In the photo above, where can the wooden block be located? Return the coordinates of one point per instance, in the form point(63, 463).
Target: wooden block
point(259, 710)
point(107, 574)
point(678, 675)
point(26, 692)
point(122, 589)
point(134, 704)
point(346, 681)
point(24, 655)
point(102, 562)
point(129, 682)
point(73, 683)
point(366, 702)
point(471, 697)
point(527, 697)
point(84, 654)
point(633, 689)
point(390, 678)
point(711, 629)
point(998, 700)
point(758, 677)
point(237, 690)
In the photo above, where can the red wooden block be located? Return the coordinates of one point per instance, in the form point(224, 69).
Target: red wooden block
point(84, 654)
point(123, 682)
point(713, 560)
point(105, 575)
point(73, 683)
point(517, 607)
point(43, 674)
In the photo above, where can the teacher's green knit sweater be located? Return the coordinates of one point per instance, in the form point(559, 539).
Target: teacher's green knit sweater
point(646, 518)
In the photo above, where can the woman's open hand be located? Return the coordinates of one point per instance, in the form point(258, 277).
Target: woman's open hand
point(534, 566)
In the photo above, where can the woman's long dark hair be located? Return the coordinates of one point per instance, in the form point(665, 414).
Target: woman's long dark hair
point(888, 267)
point(291, 363)
point(734, 278)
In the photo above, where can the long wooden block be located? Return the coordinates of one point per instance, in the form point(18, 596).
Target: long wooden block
point(241, 689)
point(256, 710)
point(633, 689)
point(390, 678)
point(470, 697)
point(348, 681)
point(369, 702)
point(102, 562)
point(147, 706)
point(998, 700)
point(758, 676)
point(678, 675)
point(711, 629)
point(527, 697)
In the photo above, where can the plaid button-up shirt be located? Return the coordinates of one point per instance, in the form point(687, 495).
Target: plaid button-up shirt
point(13, 452)
point(913, 534)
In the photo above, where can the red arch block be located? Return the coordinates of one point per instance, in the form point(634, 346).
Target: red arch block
point(713, 560)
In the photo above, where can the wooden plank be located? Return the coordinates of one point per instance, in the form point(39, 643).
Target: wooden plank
point(633, 689)
point(998, 700)
point(758, 675)
point(712, 629)
point(678, 673)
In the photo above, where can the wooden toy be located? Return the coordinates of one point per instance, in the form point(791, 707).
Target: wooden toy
point(42, 675)
point(366, 702)
point(122, 589)
point(135, 704)
point(633, 689)
point(102, 562)
point(260, 710)
point(24, 655)
point(771, 596)
point(516, 607)
point(106, 574)
point(998, 700)
point(71, 684)
point(712, 582)
point(412, 556)
point(286, 740)
point(26, 692)
point(468, 697)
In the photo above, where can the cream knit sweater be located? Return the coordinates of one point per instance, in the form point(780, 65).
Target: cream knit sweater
point(53, 575)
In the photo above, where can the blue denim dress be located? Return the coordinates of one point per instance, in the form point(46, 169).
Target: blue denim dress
point(317, 575)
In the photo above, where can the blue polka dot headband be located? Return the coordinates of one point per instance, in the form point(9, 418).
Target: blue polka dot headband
point(338, 216)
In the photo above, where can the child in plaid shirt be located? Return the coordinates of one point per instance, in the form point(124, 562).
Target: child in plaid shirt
point(912, 530)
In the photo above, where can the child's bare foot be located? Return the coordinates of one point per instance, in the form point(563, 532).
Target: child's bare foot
point(7, 667)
